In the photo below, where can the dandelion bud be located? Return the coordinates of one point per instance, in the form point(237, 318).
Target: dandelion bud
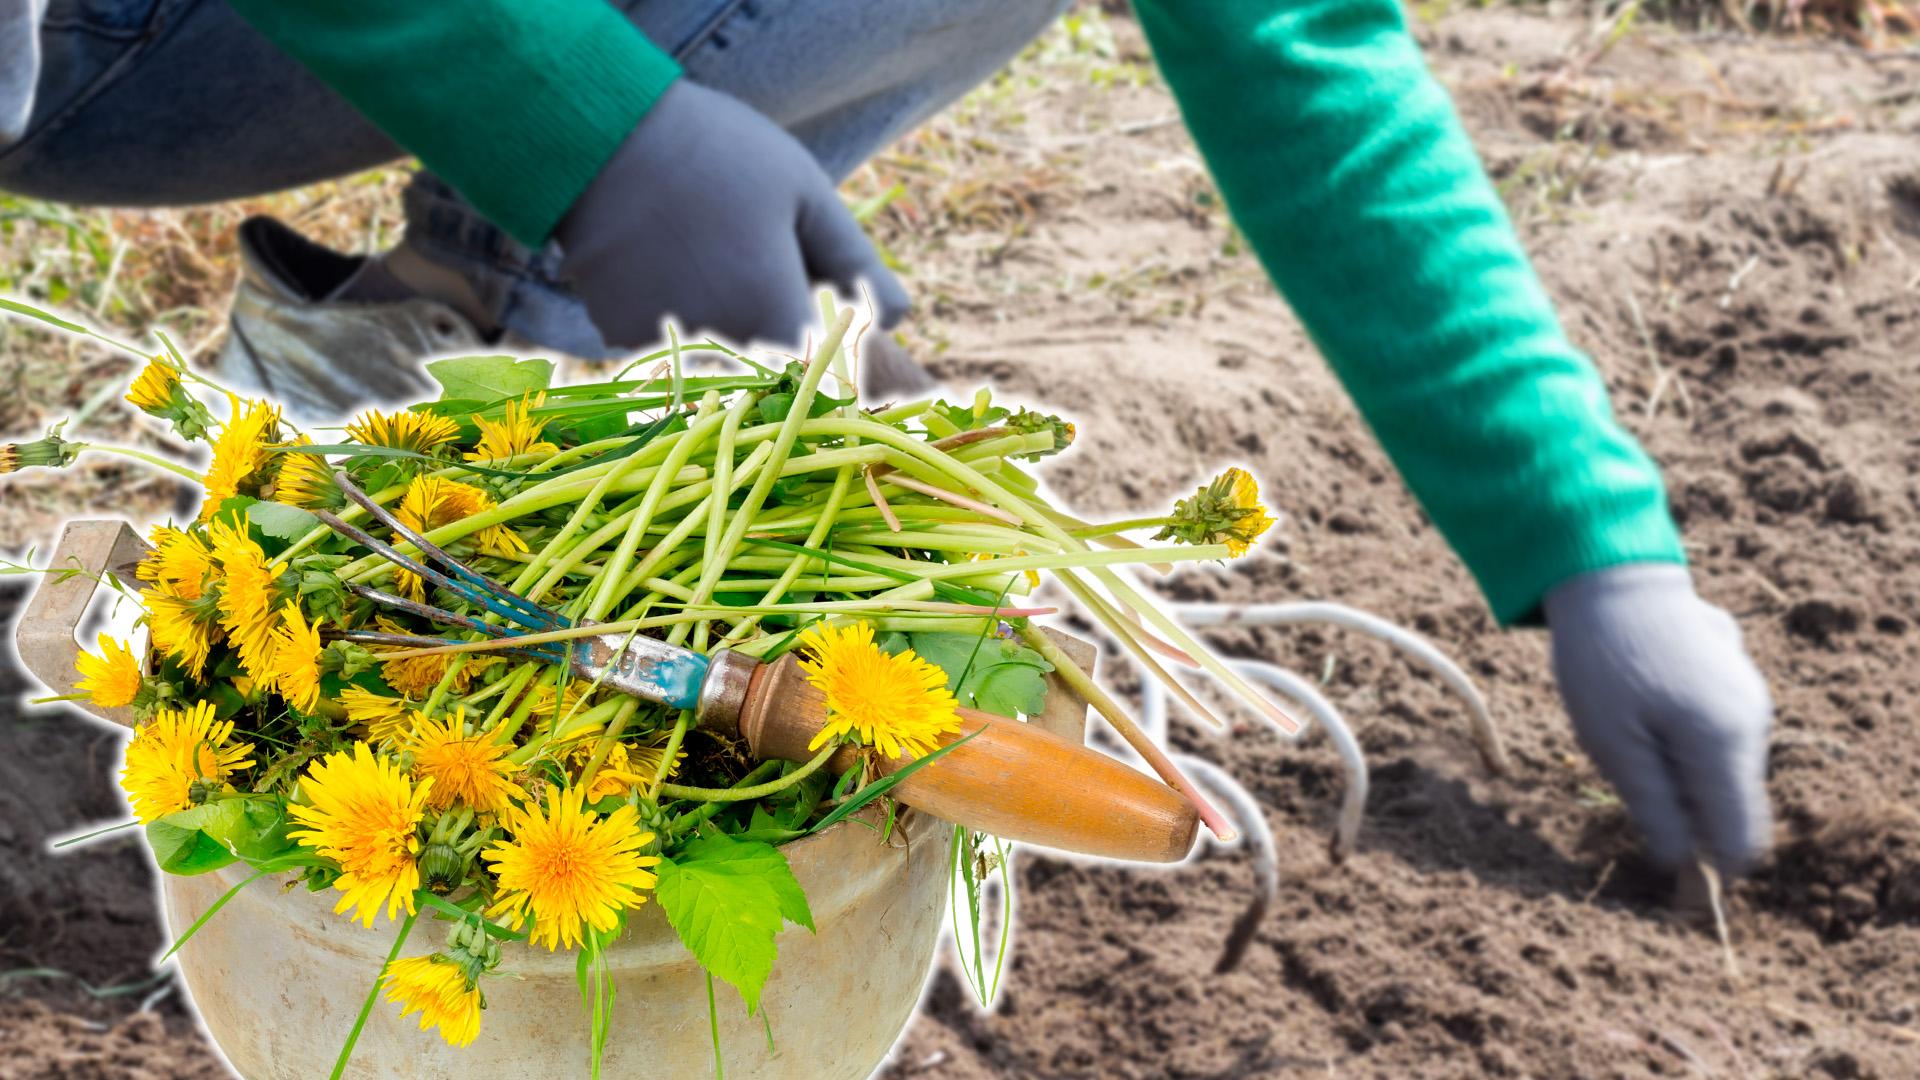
point(1028, 422)
point(1225, 511)
point(157, 392)
point(201, 790)
point(52, 452)
point(470, 946)
point(442, 867)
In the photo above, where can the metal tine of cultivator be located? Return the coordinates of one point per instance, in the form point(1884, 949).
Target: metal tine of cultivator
point(412, 641)
point(1257, 839)
point(1487, 737)
point(393, 555)
point(530, 614)
point(1353, 803)
point(442, 615)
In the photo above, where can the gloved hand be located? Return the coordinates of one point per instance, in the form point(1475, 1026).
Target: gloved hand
point(711, 214)
point(1664, 698)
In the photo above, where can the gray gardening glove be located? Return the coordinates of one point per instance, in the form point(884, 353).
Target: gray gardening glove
point(711, 214)
point(1663, 696)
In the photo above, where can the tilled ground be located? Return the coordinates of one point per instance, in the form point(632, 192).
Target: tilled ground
point(1733, 230)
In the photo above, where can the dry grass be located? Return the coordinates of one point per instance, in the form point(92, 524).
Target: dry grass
point(128, 272)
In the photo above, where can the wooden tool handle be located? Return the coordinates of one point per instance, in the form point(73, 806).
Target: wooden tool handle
point(1013, 780)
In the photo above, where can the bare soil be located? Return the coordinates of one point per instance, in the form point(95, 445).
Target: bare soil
point(1732, 228)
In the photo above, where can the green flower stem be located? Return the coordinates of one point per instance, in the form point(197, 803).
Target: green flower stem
point(842, 482)
point(553, 563)
point(967, 477)
point(513, 685)
point(615, 728)
point(450, 825)
point(681, 724)
point(724, 451)
point(695, 494)
point(444, 687)
point(820, 529)
point(1113, 528)
point(1123, 630)
point(155, 460)
point(845, 584)
point(668, 547)
point(706, 427)
point(698, 816)
point(760, 791)
point(682, 579)
point(900, 414)
point(580, 513)
point(790, 429)
point(588, 720)
point(822, 460)
point(1018, 544)
point(523, 709)
point(782, 521)
point(560, 492)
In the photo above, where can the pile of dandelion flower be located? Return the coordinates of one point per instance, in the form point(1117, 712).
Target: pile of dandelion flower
point(506, 800)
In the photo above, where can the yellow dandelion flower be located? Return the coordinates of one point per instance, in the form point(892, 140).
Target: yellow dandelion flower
point(1225, 510)
point(433, 501)
point(249, 597)
point(364, 814)
point(548, 708)
point(514, 434)
point(153, 388)
point(111, 679)
point(306, 480)
point(568, 868)
point(417, 676)
point(645, 758)
point(1252, 519)
point(386, 718)
point(178, 749)
point(420, 432)
point(293, 667)
point(441, 990)
point(471, 769)
point(180, 562)
point(627, 766)
point(179, 630)
point(239, 453)
point(893, 703)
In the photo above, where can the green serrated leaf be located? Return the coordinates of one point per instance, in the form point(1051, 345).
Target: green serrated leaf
point(490, 378)
point(727, 899)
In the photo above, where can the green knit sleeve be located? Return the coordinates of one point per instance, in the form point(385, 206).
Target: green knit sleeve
point(517, 105)
point(1342, 160)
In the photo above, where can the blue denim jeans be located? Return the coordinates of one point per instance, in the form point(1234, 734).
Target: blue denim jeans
point(165, 102)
